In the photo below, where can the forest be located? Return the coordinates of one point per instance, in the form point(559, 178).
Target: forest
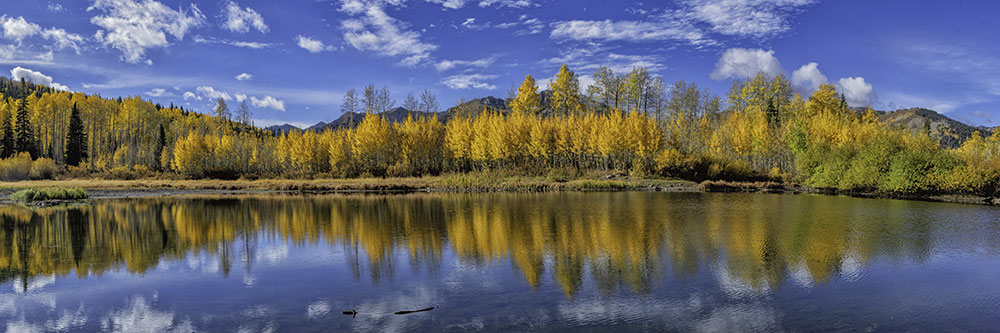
point(630, 123)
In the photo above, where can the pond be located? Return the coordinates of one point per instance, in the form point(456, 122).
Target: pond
point(632, 261)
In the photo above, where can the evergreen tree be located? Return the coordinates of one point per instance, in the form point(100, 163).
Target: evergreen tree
point(7, 141)
point(161, 143)
point(24, 139)
point(76, 139)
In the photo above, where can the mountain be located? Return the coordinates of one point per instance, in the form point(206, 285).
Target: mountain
point(949, 132)
point(284, 128)
point(396, 115)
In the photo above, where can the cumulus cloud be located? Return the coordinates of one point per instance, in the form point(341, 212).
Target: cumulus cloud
point(19, 73)
point(449, 64)
point(374, 30)
point(211, 93)
point(133, 27)
point(740, 63)
point(807, 78)
point(191, 96)
point(240, 20)
point(467, 81)
point(691, 21)
point(856, 91)
point(311, 45)
point(241, 97)
point(18, 28)
point(244, 77)
point(268, 102)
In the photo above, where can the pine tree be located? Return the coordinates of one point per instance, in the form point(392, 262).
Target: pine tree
point(527, 101)
point(76, 139)
point(24, 139)
point(7, 141)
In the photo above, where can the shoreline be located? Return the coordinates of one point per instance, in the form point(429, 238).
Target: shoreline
point(144, 188)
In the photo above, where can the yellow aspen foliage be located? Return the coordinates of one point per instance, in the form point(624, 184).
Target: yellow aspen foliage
point(527, 101)
point(373, 145)
point(565, 92)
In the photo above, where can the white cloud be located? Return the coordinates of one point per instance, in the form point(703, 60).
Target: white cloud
point(376, 31)
point(505, 3)
point(740, 63)
point(857, 91)
point(585, 61)
point(241, 97)
point(469, 21)
point(18, 28)
point(19, 73)
point(211, 93)
point(312, 45)
point(250, 45)
point(807, 78)
point(63, 39)
point(158, 92)
point(54, 7)
point(745, 18)
point(632, 31)
point(240, 20)
point(133, 27)
point(467, 81)
point(244, 77)
point(450, 4)
point(691, 21)
point(456, 4)
point(449, 64)
point(268, 102)
point(191, 96)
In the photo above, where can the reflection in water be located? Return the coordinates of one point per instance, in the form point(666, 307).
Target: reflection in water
point(575, 253)
point(756, 242)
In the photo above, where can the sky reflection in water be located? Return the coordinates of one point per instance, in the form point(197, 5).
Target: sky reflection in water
point(557, 261)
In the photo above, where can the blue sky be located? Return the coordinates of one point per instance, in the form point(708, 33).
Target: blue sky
point(293, 60)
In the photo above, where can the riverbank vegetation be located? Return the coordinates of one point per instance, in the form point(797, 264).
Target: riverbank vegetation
point(623, 124)
point(49, 193)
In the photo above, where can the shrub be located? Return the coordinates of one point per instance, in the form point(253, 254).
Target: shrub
point(43, 168)
point(52, 193)
point(16, 168)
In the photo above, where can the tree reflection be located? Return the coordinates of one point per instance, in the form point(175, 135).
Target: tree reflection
point(619, 240)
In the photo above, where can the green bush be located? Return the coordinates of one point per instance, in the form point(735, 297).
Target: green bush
point(51, 193)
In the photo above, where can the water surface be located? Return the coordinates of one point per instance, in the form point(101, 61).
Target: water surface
point(553, 261)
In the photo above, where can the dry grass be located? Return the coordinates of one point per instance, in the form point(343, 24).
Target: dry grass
point(479, 182)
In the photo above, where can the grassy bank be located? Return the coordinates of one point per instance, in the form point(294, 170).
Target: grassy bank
point(451, 183)
point(49, 193)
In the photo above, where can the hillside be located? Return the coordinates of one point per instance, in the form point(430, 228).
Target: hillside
point(949, 132)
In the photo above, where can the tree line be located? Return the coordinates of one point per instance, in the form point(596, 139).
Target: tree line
point(625, 122)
